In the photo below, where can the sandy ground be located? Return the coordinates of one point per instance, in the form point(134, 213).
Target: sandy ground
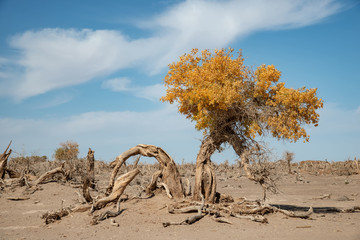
point(143, 218)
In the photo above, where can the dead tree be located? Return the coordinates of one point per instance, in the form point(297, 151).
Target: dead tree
point(289, 156)
point(168, 172)
point(49, 174)
point(90, 167)
point(3, 161)
point(259, 171)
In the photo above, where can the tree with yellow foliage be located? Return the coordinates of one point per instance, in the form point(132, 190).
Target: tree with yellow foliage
point(232, 103)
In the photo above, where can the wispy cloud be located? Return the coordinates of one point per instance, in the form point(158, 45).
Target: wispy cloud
point(56, 58)
point(109, 133)
point(117, 84)
point(150, 92)
point(55, 101)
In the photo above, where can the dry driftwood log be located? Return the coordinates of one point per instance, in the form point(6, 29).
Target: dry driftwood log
point(169, 173)
point(296, 215)
point(255, 218)
point(118, 189)
point(3, 161)
point(49, 174)
point(53, 216)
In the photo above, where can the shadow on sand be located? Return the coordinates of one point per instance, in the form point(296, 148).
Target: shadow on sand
point(295, 208)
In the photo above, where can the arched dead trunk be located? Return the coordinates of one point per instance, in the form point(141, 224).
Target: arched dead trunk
point(205, 179)
point(168, 170)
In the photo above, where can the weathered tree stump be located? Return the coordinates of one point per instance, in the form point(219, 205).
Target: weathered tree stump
point(90, 164)
point(3, 161)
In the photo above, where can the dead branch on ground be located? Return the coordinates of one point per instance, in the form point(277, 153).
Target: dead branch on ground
point(53, 216)
point(192, 219)
point(107, 214)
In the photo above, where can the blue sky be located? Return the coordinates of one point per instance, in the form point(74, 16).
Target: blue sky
point(92, 71)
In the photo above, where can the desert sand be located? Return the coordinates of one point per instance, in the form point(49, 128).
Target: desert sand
point(143, 218)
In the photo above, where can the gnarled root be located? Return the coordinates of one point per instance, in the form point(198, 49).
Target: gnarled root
point(108, 214)
point(192, 219)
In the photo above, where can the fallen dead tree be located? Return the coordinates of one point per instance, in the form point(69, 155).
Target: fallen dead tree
point(53, 216)
point(50, 174)
point(120, 184)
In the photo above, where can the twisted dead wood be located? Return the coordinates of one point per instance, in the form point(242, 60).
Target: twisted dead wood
point(49, 174)
point(108, 214)
point(169, 173)
point(3, 161)
point(192, 219)
point(118, 189)
point(53, 216)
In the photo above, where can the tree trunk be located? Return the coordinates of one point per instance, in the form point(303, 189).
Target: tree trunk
point(205, 179)
point(169, 172)
point(3, 161)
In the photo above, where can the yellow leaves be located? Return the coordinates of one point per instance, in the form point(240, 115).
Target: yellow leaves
point(211, 86)
point(265, 77)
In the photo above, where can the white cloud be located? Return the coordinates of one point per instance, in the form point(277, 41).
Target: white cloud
point(117, 84)
point(109, 133)
point(56, 58)
point(151, 92)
